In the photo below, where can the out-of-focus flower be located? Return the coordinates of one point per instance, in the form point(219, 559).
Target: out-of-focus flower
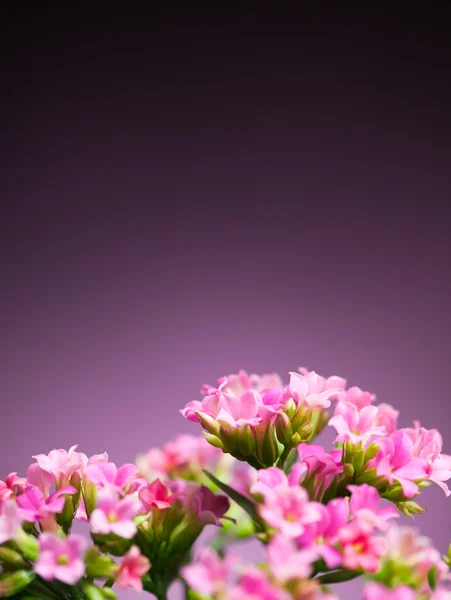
point(365, 509)
point(61, 559)
point(287, 561)
point(10, 520)
point(376, 591)
point(12, 486)
point(255, 584)
point(114, 514)
point(157, 495)
point(133, 566)
point(209, 574)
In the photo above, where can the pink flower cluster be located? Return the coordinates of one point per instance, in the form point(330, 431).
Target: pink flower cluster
point(323, 516)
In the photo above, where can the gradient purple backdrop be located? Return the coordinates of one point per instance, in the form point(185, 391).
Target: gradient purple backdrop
point(188, 196)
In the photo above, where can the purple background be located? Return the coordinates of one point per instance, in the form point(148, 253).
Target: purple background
point(196, 194)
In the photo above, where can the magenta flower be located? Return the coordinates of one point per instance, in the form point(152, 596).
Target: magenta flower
point(365, 509)
point(209, 574)
point(133, 566)
point(387, 417)
point(356, 425)
point(287, 561)
point(206, 506)
point(255, 585)
point(61, 559)
point(12, 486)
point(270, 481)
point(395, 461)
point(156, 495)
point(115, 515)
point(377, 591)
point(322, 536)
point(10, 520)
point(361, 550)
point(34, 506)
point(321, 468)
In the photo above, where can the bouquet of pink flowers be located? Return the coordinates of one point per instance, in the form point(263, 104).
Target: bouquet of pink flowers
point(321, 517)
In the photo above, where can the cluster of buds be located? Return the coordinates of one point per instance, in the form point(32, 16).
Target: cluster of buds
point(258, 419)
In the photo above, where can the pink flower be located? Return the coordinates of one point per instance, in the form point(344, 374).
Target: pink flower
point(272, 480)
point(41, 479)
point(354, 395)
point(61, 559)
point(288, 510)
point(34, 506)
point(62, 464)
point(321, 468)
point(209, 574)
point(311, 390)
point(327, 382)
point(133, 566)
point(395, 461)
point(355, 425)
point(360, 549)
point(10, 520)
point(287, 561)
point(254, 585)
point(365, 508)
point(185, 453)
point(12, 486)
point(427, 444)
point(386, 417)
point(377, 591)
point(323, 535)
point(156, 495)
point(126, 479)
point(209, 508)
point(115, 515)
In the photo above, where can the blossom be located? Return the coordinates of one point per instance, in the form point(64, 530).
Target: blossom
point(133, 566)
point(287, 561)
point(356, 396)
point(156, 495)
point(209, 574)
point(321, 468)
point(255, 585)
point(334, 381)
point(115, 515)
point(270, 481)
point(395, 461)
point(288, 510)
point(10, 520)
point(311, 390)
point(125, 478)
point(427, 444)
point(376, 591)
point(34, 506)
point(360, 549)
point(61, 559)
point(322, 536)
point(365, 509)
point(61, 463)
point(186, 453)
point(386, 417)
point(356, 425)
point(11, 486)
point(206, 506)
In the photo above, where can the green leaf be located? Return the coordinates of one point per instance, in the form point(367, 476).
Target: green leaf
point(432, 577)
point(338, 576)
point(247, 505)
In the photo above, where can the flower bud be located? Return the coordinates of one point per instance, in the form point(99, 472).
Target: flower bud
point(348, 469)
point(358, 459)
point(107, 592)
point(395, 494)
point(11, 557)
point(208, 423)
point(290, 408)
point(283, 428)
point(91, 591)
point(301, 417)
point(227, 434)
point(213, 440)
point(28, 545)
point(245, 440)
point(15, 582)
point(410, 508)
point(267, 449)
point(99, 565)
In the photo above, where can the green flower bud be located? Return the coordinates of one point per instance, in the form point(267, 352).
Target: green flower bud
point(395, 494)
point(348, 470)
point(371, 451)
point(11, 557)
point(358, 459)
point(228, 437)
point(28, 545)
point(208, 422)
point(13, 583)
point(432, 577)
point(410, 508)
point(107, 592)
point(267, 449)
point(213, 440)
point(290, 408)
point(301, 417)
point(99, 565)
point(245, 440)
point(91, 591)
point(283, 428)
